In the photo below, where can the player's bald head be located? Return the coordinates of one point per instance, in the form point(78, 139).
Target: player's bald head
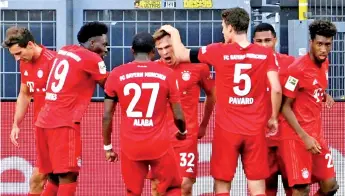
point(143, 43)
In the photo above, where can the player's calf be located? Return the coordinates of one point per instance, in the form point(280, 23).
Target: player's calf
point(301, 190)
point(37, 182)
point(187, 186)
point(272, 185)
point(221, 186)
point(256, 187)
point(328, 187)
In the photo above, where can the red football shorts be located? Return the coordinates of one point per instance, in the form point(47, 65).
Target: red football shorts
point(164, 169)
point(58, 149)
point(226, 148)
point(301, 166)
point(188, 157)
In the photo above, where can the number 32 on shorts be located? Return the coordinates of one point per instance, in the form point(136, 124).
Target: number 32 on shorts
point(187, 159)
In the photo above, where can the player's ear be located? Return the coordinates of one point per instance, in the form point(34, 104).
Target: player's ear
point(132, 51)
point(30, 45)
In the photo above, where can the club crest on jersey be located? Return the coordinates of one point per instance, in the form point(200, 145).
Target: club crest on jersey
point(305, 173)
point(185, 75)
point(40, 73)
point(26, 73)
point(291, 83)
point(102, 67)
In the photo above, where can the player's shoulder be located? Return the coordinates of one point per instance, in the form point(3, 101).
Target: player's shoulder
point(256, 48)
point(48, 54)
point(298, 65)
point(213, 46)
point(284, 58)
point(80, 53)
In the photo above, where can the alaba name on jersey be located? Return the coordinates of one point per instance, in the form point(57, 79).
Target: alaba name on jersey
point(241, 83)
point(35, 75)
point(71, 83)
point(306, 82)
point(191, 77)
point(143, 90)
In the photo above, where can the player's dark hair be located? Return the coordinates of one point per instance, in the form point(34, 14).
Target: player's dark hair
point(323, 28)
point(265, 27)
point(17, 35)
point(238, 18)
point(143, 43)
point(91, 29)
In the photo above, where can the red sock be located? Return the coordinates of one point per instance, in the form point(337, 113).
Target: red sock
point(222, 194)
point(50, 189)
point(67, 189)
point(30, 194)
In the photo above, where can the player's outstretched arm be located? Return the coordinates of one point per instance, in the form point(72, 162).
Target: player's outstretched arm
point(311, 144)
point(109, 109)
point(23, 102)
point(181, 52)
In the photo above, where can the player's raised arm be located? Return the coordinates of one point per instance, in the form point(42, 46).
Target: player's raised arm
point(206, 54)
point(276, 91)
point(207, 84)
point(291, 87)
point(23, 102)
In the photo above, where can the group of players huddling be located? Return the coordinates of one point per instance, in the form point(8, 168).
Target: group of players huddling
point(159, 104)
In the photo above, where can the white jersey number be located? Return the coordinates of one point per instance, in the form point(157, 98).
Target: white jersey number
point(328, 157)
point(238, 77)
point(59, 72)
point(184, 162)
point(137, 94)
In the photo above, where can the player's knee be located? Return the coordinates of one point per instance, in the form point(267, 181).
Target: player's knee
point(221, 186)
point(329, 188)
point(301, 189)
point(68, 177)
point(187, 186)
point(37, 182)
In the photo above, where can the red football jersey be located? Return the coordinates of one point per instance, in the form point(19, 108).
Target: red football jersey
point(143, 89)
point(35, 75)
point(190, 79)
point(306, 82)
point(284, 61)
point(71, 83)
point(241, 85)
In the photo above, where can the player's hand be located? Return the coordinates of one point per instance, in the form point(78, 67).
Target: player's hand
point(311, 144)
point(111, 156)
point(272, 127)
point(202, 131)
point(180, 136)
point(169, 29)
point(329, 101)
point(14, 135)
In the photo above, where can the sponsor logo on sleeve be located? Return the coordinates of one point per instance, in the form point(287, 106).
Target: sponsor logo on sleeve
point(291, 83)
point(102, 67)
